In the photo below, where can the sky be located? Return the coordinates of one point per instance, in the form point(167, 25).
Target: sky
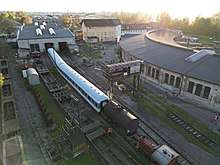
point(175, 8)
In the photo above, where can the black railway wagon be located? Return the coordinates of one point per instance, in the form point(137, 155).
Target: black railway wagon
point(123, 119)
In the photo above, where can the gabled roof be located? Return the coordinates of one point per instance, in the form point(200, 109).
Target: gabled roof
point(29, 32)
point(101, 22)
point(77, 137)
point(140, 26)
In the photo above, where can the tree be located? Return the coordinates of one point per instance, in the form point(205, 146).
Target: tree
point(164, 19)
point(28, 20)
point(202, 26)
point(1, 79)
point(67, 21)
point(132, 18)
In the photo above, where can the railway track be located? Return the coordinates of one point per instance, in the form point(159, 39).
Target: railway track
point(110, 151)
point(159, 137)
point(113, 153)
point(193, 131)
point(146, 127)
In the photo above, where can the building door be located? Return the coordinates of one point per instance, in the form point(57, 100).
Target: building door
point(63, 46)
point(48, 45)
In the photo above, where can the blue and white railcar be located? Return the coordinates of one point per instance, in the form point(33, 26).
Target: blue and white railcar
point(95, 97)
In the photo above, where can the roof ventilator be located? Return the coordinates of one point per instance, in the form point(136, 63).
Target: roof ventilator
point(42, 27)
point(44, 23)
point(51, 31)
point(36, 24)
point(39, 32)
point(198, 55)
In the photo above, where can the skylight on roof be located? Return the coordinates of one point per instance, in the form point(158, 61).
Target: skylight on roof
point(198, 55)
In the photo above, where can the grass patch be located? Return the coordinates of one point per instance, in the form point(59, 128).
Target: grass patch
point(87, 157)
point(205, 40)
point(159, 108)
point(52, 108)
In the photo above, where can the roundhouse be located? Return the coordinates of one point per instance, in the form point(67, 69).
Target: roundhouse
point(193, 75)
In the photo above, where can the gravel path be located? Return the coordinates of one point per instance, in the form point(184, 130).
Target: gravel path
point(29, 118)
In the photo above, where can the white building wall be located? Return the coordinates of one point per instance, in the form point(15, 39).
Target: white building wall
point(23, 44)
point(105, 33)
point(118, 31)
point(41, 42)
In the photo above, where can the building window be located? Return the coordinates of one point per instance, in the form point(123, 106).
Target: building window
point(157, 74)
point(4, 63)
point(178, 80)
point(206, 92)
point(153, 72)
point(198, 89)
point(149, 70)
point(34, 47)
point(172, 80)
point(4, 71)
point(190, 87)
point(166, 78)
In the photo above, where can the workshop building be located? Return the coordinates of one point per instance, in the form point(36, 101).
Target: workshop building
point(41, 37)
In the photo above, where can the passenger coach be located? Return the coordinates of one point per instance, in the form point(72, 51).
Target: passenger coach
point(95, 97)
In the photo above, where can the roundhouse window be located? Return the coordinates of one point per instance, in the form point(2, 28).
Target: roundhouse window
point(149, 70)
point(198, 89)
point(206, 92)
point(166, 78)
point(178, 80)
point(153, 72)
point(172, 80)
point(157, 74)
point(190, 86)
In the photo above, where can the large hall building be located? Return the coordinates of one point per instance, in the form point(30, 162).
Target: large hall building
point(42, 35)
point(190, 74)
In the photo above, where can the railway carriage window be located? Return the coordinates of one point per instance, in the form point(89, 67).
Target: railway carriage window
point(206, 92)
point(98, 105)
point(190, 86)
point(104, 103)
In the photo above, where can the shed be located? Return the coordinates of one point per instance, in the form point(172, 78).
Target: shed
point(77, 141)
point(33, 76)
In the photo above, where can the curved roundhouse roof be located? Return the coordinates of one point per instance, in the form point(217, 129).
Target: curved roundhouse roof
point(173, 58)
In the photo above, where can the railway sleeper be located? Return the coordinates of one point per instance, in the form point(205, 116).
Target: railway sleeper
point(188, 127)
point(178, 121)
